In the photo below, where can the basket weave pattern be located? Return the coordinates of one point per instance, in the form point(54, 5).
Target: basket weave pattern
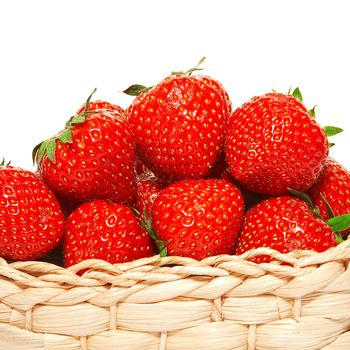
point(221, 303)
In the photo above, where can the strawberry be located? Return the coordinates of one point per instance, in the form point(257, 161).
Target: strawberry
point(103, 105)
point(273, 143)
point(198, 218)
point(334, 185)
point(285, 224)
point(92, 158)
point(180, 124)
point(104, 230)
point(31, 221)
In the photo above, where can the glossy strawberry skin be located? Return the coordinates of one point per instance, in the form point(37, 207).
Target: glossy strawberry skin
point(198, 218)
point(97, 164)
point(334, 184)
point(180, 125)
point(284, 224)
point(273, 144)
point(103, 105)
point(31, 221)
point(107, 231)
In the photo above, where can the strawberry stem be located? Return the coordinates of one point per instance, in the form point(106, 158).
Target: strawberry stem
point(191, 70)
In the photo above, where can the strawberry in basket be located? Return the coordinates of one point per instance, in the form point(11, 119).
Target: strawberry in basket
point(92, 157)
point(31, 221)
point(180, 124)
point(198, 218)
point(274, 143)
point(104, 230)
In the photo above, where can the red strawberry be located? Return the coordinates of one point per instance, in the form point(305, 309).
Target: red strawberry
point(92, 158)
point(104, 230)
point(31, 221)
point(285, 224)
point(198, 218)
point(334, 185)
point(273, 143)
point(180, 125)
point(103, 105)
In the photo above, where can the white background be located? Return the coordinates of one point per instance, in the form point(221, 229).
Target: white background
point(53, 53)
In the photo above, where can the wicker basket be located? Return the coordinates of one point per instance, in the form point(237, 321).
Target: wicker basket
point(223, 302)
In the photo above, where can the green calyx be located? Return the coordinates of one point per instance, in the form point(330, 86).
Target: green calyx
point(146, 224)
point(296, 93)
point(48, 147)
point(329, 130)
point(3, 162)
point(137, 89)
point(338, 224)
point(332, 131)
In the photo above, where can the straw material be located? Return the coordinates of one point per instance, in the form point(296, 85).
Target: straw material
point(300, 301)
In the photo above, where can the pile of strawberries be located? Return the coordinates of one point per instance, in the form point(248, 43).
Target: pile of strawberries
point(178, 173)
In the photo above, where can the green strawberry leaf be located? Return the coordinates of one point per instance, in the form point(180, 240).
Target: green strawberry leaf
point(332, 130)
point(339, 223)
point(312, 112)
point(146, 223)
point(42, 150)
point(51, 150)
point(66, 136)
point(331, 144)
point(136, 89)
point(297, 94)
point(328, 206)
point(78, 119)
point(2, 162)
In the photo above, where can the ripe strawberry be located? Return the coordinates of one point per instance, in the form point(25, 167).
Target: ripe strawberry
point(285, 224)
point(198, 218)
point(92, 158)
point(31, 221)
point(103, 105)
point(273, 143)
point(180, 125)
point(104, 230)
point(334, 185)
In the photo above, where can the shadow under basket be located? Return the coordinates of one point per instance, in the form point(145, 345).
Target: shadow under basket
point(300, 301)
